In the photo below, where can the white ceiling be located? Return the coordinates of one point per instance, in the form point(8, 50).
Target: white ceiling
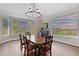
point(46, 9)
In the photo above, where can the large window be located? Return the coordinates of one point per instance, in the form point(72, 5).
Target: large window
point(14, 26)
point(19, 26)
point(66, 26)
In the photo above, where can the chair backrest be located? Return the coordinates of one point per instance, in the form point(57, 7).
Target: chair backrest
point(21, 39)
point(47, 45)
point(49, 39)
point(29, 44)
point(25, 40)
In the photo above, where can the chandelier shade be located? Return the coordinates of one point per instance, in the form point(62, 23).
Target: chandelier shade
point(32, 11)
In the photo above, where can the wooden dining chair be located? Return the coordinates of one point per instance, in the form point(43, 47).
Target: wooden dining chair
point(49, 39)
point(30, 48)
point(22, 42)
point(47, 46)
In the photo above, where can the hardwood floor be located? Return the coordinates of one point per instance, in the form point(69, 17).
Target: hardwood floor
point(58, 49)
point(61, 49)
point(10, 48)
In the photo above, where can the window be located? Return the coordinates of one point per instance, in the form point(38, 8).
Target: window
point(66, 26)
point(19, 26)
point(5, 26)
point(14, 26)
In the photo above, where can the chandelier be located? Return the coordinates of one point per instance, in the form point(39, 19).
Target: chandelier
point(32, 11)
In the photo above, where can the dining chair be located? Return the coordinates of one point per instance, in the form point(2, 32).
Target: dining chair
point(30, 48)
point(22, 42)
point(47, 46)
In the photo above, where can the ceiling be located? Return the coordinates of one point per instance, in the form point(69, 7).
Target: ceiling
point(46, 9)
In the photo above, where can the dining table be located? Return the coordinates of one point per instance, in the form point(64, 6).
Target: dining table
point(38, 41)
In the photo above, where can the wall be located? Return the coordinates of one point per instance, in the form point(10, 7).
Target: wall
point(68, 40)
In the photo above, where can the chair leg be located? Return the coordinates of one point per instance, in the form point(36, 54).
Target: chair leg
point(35, 52)
point(21, 47)
point(24, 50)
point(50, 52)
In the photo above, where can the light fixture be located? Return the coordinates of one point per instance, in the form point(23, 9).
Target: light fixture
point(32, 11)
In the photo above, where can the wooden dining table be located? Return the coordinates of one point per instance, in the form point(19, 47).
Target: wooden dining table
point(38, 41)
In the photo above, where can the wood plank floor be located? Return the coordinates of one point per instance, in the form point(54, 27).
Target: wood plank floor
point(58, 49)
